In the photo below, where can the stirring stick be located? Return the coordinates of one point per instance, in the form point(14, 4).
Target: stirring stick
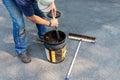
point(58, 36)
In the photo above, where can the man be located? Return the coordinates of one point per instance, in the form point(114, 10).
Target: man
point(29, 8)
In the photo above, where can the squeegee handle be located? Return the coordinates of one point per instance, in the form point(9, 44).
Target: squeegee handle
point(68, 74)
point(66, 78)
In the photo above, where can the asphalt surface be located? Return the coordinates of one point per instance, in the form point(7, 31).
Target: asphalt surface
point(99, 61)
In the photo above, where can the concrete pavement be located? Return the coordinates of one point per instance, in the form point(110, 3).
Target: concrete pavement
point(99, 61)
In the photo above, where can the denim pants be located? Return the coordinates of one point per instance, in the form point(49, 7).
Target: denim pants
point(19, 33)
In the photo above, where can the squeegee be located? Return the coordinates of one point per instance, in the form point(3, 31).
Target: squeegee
point(80, 38)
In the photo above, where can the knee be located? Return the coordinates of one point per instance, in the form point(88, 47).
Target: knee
point(22, 31)
point(19, 27)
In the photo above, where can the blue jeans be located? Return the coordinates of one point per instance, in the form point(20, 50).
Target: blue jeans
point(19, 33)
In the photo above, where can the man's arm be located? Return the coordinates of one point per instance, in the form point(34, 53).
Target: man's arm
point(39, 20)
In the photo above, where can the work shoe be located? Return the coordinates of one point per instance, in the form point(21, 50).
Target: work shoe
point(25, 58)
point(40, 40)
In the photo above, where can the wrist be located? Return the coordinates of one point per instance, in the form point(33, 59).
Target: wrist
point(50, 23)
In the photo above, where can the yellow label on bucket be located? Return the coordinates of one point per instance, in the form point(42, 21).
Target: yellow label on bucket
point(63, 52)
point(53, 56)
point(56, 56)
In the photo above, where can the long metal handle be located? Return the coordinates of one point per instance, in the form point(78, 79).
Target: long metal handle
point(68, 74)
point(58, 35)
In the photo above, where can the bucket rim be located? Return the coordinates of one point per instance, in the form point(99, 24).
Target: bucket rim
point(56, 42)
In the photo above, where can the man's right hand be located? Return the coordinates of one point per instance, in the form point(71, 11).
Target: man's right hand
point(54, 22)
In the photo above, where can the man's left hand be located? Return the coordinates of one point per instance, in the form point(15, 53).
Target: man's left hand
point(53, 10)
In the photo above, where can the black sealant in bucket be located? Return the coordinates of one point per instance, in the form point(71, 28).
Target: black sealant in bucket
point(55, 49)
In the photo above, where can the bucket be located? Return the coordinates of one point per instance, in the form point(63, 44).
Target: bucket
point(55, 49)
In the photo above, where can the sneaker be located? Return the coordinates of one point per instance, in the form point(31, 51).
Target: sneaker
point(25, 58)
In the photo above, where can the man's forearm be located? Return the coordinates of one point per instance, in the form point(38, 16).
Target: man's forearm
point(38, 20)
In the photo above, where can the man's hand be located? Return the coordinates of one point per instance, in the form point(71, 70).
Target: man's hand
point(53, 10)
point(54, 23)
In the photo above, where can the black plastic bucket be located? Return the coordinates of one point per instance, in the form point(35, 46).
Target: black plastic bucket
point(55, 49)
